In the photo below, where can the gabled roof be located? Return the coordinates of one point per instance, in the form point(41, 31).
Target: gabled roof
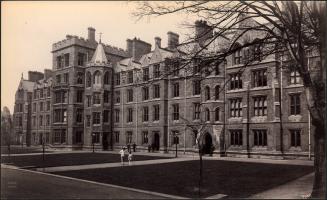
point(26, 85)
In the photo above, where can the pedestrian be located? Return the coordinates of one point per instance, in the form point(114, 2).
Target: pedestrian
point(128, 147)
point(149, 148)
point(134, 147)
point(130, 157)
point(122, 155)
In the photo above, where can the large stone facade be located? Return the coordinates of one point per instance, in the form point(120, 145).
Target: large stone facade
point(109, 97)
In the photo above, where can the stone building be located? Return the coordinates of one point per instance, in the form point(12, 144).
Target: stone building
point(110, 97)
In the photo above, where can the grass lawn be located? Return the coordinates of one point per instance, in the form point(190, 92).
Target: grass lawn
point(69, 159)
point(21, 150)
point(235, 179)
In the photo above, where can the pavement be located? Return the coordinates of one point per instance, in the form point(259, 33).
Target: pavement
point(18, 183)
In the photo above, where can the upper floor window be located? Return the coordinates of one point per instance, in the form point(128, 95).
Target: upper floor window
point(295, 104)
point(259, 78)
point(88, 100)
point(106, 78)
point(106, 116)
point(58, 78)
point(41, 93)
point(175, 89)
point(117, 79)
point(236, 137)
point(79, 115)
point(196, 65)
point(80, 78)
point(295, 77)
point(88, 79)
point(207, 114)
point(81, 57)
point(156, 112)
point(117, 97)
point(236, 81)
point(295, 138)
point(48, 105)
point(237, 55)
point(96, 117)
point(207, 93)
point(145, 74)
point(196, 87)
point(217, 91)
point(236, 107)
point(59, 62)
point(97, 78)
point(48, 91)
point(260, 137)
point(96, 98)
point(66, 59)
point(145, 91)
point(130, 76)
point(196, 111)
point(117, 115)
point(130, 95)
point(217, 113)
point(156, 71)
point(175, 112)
point(88, 120)
point(66, 77)
point(41, 106)
point(175, 69)
point(156, 91)
point(145, 114)
point(106, 96)
point(79, 96)
point(260, 106)
point(129, 115)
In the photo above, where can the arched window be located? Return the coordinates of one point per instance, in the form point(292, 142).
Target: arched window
point(88, 79)
point(106, 78)
point(97, 78)
point(79, 78)
point(256, 50)
point(217, 90)
point(207, 93)
point(207, 113)
point(217, 114)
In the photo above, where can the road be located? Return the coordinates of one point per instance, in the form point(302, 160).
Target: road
point(18, 184)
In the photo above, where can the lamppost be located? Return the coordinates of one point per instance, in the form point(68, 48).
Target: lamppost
point(93, 137)
point(176, 142)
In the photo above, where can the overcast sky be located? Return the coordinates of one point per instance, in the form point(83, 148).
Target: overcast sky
point(30, 28)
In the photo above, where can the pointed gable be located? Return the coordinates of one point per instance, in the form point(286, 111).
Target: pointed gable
point(99, 56)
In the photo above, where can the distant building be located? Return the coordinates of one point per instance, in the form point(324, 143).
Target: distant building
point(111, 97)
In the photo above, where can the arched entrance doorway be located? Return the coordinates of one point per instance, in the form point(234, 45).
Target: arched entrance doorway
point(207, 143)
point(156, 142)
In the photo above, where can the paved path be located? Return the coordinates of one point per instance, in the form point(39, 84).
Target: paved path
point(24, 184)
point(107, 165)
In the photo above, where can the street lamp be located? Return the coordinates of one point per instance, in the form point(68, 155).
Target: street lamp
point(93, 137)
point(176, 142)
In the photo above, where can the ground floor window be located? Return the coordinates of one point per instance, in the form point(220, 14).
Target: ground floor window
point(78, 137)
point(129, 135)
point(236, 137)
point(295, 138)
point(145, 137)
point(47, 138)
point(117, 137)
point(260, 137)
point(59, 136)
point(96, 137)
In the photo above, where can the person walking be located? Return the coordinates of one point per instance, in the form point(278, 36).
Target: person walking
point(134, 147)
point(130, 157)
point(122, 155)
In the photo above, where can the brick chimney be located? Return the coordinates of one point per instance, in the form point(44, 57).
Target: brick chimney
point(202, 31)
point(173, 40)
point(136, 48)
point(91, 34)
point(157, 41)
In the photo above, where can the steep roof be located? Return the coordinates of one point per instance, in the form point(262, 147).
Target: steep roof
point(99, 56)
point(26, 85)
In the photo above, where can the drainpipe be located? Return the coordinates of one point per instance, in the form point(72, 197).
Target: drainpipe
point(280, 106)
point(248, 121)
point(168, 114)
point(309, 121)
point(184, 110)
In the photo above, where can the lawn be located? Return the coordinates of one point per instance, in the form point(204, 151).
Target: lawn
point(21, 150)
point(235, 179)
point(69, 159)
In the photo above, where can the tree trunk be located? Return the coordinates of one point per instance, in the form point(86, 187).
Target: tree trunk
point(319, 190)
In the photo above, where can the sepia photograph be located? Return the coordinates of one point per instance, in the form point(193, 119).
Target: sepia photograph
point(163, 99)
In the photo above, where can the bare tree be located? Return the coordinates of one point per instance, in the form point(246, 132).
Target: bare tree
point(290, 31)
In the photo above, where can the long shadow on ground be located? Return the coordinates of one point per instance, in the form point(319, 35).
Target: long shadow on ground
point(235, 179)
point(69, 159)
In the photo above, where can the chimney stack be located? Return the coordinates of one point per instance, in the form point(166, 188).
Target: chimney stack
point(136, 48)
point(202, 31)
point(91, 34)
point(157, 41)
point(173, 40)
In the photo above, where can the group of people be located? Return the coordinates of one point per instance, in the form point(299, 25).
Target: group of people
point(122, 155)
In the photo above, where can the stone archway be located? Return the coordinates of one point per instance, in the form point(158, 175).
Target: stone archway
point(207, 143)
